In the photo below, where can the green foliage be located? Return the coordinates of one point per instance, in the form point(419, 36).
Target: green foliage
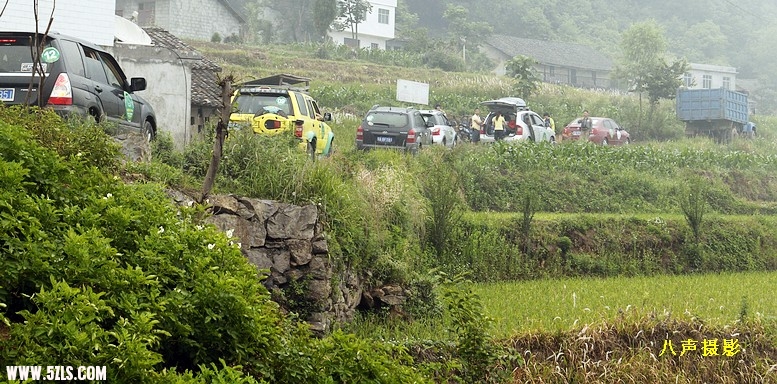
point(470, 328)
point(215, 38)
point(693, 203)
point(98, 272)
point(344, 358)
point(522, 69)
point(441, 188)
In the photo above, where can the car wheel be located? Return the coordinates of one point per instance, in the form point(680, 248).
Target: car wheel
point(331, 148)
point(148, 131)
point(553, 140)
point(604, 141)
point(627, 142)
point(311, 149)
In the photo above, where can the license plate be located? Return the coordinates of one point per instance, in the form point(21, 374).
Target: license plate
point(576, 133)
point(384, 139)
point(6, 94)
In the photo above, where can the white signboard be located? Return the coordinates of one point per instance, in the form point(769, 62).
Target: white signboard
point(412, 92)
point(89, 20)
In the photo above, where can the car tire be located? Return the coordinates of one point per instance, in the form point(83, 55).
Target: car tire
point(311, 149)
point(605, 142)
point(331, 148)
point(148, 131)
point(553, 140)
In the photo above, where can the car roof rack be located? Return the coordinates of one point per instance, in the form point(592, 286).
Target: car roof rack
point(283, 81)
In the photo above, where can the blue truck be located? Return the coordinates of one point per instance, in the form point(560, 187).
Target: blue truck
point(718, 113)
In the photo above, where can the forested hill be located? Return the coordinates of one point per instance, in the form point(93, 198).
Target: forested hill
point(723, 32)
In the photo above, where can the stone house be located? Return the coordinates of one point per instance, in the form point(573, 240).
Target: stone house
point(182, 84)
point(188, 19)
point(557, 62)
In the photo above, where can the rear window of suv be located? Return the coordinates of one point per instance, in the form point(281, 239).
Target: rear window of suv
point(16, 55)
point(248, 103)
point(392, 119)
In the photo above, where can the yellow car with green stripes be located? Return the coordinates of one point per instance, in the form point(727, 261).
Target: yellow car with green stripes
point(273, 105)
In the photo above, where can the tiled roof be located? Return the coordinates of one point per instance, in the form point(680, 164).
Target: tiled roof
point(205, 89)
point(552, 52)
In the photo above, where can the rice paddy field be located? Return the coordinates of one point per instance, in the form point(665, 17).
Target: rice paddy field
point(566, 304)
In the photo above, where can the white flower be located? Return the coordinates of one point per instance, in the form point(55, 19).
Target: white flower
point(210, 246)
point(161, 230)
point(230, 232)
point(239, 246)
point(190, 203)
point(198, 227)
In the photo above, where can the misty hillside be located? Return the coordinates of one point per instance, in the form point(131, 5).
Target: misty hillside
point(722, 32)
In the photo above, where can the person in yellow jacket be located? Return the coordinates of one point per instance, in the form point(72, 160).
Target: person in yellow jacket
point(499, 126)
point(550, 123)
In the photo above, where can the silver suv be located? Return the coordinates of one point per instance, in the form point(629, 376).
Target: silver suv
point(394, 127)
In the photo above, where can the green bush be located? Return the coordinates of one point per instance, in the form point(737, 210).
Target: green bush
point(98, 272)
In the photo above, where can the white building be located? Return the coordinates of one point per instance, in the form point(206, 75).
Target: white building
point(93, 23)
point(375, 30)
point(706, 76)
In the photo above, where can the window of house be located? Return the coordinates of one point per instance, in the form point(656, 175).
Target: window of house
point(573, 76)
point(383, 16)
point(593, 77)
point(374, 46)
point(706, 81)
point(146, 13)
point(551, 70)
point(726, 82)
point(353, 43)
point(687, 79)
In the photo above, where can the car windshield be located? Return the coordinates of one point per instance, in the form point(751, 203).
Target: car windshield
point(387, 118)
point(16, 55)
point(258, 104)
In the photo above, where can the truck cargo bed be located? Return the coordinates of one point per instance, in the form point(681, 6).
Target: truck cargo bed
point(711, 104)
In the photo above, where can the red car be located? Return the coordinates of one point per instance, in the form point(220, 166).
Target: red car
point(604, 131)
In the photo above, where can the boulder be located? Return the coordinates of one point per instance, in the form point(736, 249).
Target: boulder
point(223, 204)
point(293, 222)
point(300, 251)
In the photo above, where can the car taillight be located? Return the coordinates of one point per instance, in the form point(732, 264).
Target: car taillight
point(436, 131)
point(62, 94)
point(360, 133)
point(411, 136)
point(272, 124)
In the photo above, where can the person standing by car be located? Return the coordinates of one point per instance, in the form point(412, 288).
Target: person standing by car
point(475, 122)
point(585, 126)
point(499, 126)
point(549, 122)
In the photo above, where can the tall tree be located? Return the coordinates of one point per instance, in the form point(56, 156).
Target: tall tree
point(522, 69)
point(352, 13)
point(643, 66)
point(325, 12)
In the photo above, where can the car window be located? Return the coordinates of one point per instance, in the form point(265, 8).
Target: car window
point(303, 106)
point(314, 107)
point(258, 104)
point(419, 120)
point(94, 67)
point(72, 57)
point(16, 55)
point(536, 119)
point(112, 70)
point(391, 119)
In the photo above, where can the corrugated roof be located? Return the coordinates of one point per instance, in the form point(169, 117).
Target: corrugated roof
point(552, 52)
point(205, 89)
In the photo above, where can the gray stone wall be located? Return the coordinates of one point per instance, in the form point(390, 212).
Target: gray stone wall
point(189, 19)
point(288, 241)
